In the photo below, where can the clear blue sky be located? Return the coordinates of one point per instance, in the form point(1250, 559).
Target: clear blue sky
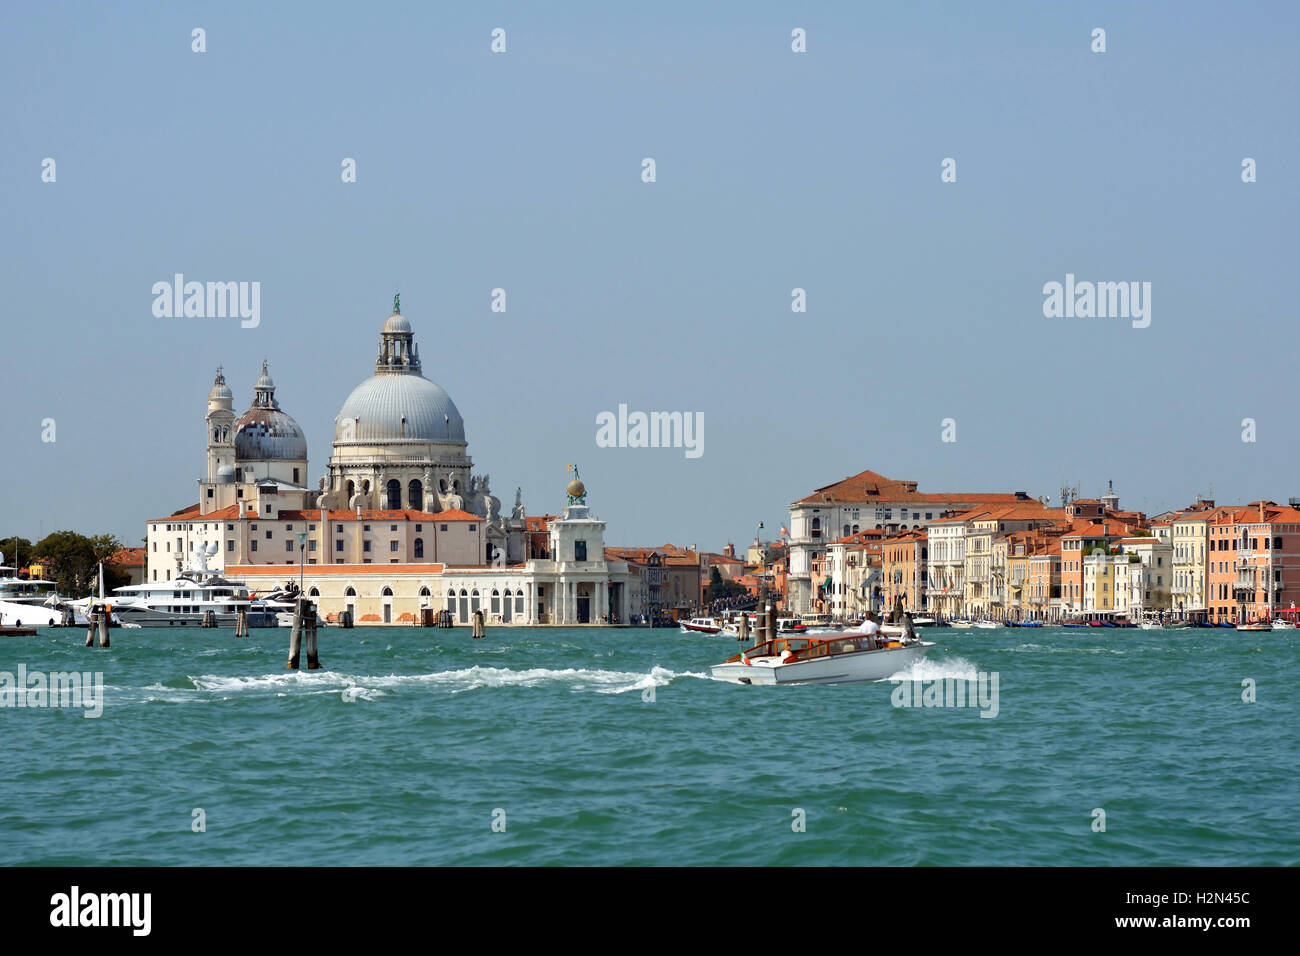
point(775, 170)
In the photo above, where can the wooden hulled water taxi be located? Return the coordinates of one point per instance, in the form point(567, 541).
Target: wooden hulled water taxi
point(821, 659)
point(701, 625)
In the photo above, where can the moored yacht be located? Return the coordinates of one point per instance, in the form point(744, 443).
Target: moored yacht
point(185, 599)
point(32, 601)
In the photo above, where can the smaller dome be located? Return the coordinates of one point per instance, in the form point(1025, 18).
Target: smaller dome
point(220, 390)
point(397, 323)
point(226, 474)
point(264, 381)
point(576, 488)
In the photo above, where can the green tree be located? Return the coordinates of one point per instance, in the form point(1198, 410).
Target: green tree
point(73, 558)
point(17, 551)
point(718, 588)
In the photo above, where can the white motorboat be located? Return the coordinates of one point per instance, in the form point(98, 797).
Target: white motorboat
point(1281, 624)
point(821, 659)
point(986, 625)
point(1150, 626)
point(962, 623)
point(701, 625)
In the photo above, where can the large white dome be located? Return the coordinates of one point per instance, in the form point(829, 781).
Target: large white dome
point(375, 409)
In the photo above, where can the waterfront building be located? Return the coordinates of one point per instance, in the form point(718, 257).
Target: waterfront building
point(850, 576)
point(1268, 559)
point(1190, 538)
point(1044, 581)
point(1222, 543)
point(1075, 547)
point(946, 571)
point(865, 501)
point(575, 584)
point(904, 560)
point(984, 576)
point(1032, 561)
point(1145, 585)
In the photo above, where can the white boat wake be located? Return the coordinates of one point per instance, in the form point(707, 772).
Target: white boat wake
point(368, 687)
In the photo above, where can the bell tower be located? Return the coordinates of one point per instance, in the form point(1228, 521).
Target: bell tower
point(220, 422)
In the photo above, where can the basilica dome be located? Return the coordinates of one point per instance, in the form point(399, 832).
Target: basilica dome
point(387, 407)
point(397, 403)
point(264, 432)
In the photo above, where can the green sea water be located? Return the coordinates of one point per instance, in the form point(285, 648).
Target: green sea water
point(614, 747)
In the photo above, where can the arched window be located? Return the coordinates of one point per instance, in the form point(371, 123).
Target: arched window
point(350, 591)
point(415, 496)
point(313, 592)
point(393, 493)
point(419, 547)
point(496, 601)
point(464, 607)
point(365, 486)
point(387, 592)
point(352, 490)
point(216, 434)
point(817, 527)
point(473, 601)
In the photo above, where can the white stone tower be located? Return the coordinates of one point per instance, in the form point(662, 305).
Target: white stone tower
point(220, 422)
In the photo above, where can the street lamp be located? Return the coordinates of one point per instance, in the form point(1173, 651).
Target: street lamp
point(302, 556)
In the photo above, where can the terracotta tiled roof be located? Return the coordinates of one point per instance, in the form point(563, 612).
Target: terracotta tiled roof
point(181, 515)
point(872, 486)
point(129, 557)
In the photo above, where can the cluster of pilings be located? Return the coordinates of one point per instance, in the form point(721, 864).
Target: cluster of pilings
point(98, 616)
point(764, 627)
point(304, 631)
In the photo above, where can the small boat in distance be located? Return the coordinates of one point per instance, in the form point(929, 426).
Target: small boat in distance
point(1255, 626)
point(701, 625)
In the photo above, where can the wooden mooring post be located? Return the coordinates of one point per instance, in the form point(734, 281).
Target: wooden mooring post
point(303, 632)
point(743, 635)
point(241, 622)
point(479, 630)
point(98, 616)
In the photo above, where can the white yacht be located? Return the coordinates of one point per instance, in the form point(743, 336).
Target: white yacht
point(32, 601)
point(183, 601)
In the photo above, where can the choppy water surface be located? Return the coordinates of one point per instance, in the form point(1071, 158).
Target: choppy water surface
point(615, 747)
